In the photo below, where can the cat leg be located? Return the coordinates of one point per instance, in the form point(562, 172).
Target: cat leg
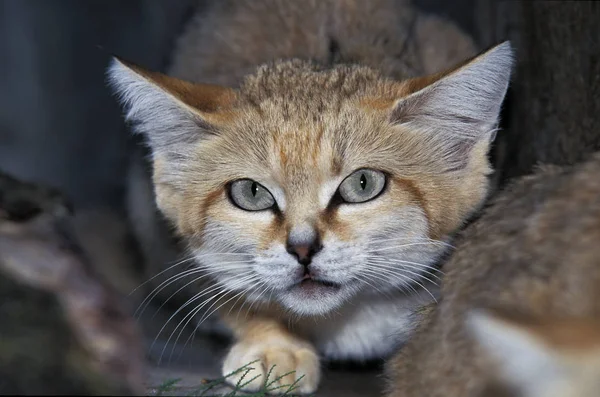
point(276, 354)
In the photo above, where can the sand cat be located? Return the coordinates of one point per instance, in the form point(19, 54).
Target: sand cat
point(520, 307)
point(316, 157)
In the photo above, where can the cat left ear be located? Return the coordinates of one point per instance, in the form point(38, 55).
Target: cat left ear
point(170, 112)
point(460, 107)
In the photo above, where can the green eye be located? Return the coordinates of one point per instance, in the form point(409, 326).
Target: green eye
point(250, 195)
point(362, 185)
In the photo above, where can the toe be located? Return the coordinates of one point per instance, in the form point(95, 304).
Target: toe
point(280, 367)
point(244, 372)
point(308, 371)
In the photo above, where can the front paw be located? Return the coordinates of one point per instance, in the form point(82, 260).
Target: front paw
point(283, 362)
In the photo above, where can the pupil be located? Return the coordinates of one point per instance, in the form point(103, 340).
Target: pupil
point(363, 182)
point(254, 188)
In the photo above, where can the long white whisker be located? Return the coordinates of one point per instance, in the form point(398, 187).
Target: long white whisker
point(414, 239)
point(142, 307)
point(158, 274)
point(375, 250)
point(196, 310)
point(401, 266)
point(198, 269)
point(385, 260)
point(266, 287)
point(204, 274)
point(204, 316)
point(180, 262)
point(422, 286)
point(207, 314)
point(403, 278)
point(188, 302)
point(368, 276)
point(235, 304)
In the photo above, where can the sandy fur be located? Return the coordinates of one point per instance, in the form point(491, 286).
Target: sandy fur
point(297, 95)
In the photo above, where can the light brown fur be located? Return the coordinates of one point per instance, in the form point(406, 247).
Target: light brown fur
point(532, 262)
point(297, 95)
point(274, 100)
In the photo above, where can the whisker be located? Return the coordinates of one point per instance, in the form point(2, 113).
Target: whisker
point(158, 274)
point(386, 260)
point(195, 311)
point(375, 250)
point(415, 239)
point(160, 287)
point(235, 304)
point(403, 278)
point(180, 262)
point(422, 286)
point(204, 317)
point(368, 276)
point(266, 287)
point(205, 274)
point(402, 269)
point(402, 264)
point(188, 302)
point(199, 269)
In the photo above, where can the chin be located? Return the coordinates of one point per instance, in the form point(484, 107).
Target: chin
point(313, 298)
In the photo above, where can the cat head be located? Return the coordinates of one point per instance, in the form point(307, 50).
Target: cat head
point(539, 357)
point(309, 185)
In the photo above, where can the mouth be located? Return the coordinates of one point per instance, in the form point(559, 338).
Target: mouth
point(311, 295)
point(313, 286)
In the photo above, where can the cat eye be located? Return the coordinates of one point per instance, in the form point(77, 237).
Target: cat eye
point(250, 195)
point(362, 185)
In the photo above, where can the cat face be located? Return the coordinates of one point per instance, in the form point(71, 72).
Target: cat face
point(315, 212)
point(309, 186)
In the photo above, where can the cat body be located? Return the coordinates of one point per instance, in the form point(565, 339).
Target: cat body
point(520, 299)
point(312, 174)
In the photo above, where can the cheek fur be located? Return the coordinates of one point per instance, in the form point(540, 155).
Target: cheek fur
point(219, 224)
point(259, 227)
point(356, 222)
point(274, 231)
point(333, 223)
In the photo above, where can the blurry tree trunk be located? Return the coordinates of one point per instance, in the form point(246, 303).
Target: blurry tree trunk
point(553, 113)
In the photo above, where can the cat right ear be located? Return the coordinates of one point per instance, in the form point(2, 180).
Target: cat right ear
point(171, 113)
point(457, 109)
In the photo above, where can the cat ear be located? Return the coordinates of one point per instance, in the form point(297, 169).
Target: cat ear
point(460, 107)
point(172, 114)
point(531, 353)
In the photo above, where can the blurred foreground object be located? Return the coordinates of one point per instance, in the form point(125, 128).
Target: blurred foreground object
point(62, 330)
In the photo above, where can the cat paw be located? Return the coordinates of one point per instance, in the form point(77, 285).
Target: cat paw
point(283, 364)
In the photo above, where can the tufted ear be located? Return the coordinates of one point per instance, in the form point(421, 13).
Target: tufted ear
point(172, 114)
point(460, 107)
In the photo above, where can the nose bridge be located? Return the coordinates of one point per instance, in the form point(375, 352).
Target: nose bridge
point(302, 234)
point(302, 210)
point(301, 217)
point(301, 214)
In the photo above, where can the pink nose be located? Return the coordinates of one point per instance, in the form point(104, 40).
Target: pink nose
point(304, 252)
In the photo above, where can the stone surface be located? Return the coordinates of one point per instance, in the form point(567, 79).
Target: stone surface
point(62, 330)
